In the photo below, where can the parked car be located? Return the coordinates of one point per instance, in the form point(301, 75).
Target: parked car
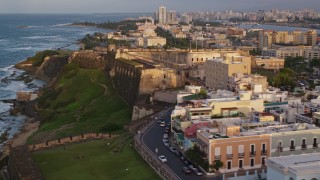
point(182, 158)
point(162, 158)
point(162, 124)
point(178, 153)
point(197, 172)
point(166, 142)
point(186, 170)
point(186, 162)
point(165, 136)
point(173, 149)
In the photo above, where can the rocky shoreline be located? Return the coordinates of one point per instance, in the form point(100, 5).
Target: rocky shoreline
point(18, 108)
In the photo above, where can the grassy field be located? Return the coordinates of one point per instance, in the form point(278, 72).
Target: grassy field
point(98, 162)
point(81, 101)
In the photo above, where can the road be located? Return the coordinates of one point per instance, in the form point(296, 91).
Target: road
point(153, 139)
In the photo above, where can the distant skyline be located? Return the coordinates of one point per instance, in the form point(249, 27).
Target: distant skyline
point(148, 6)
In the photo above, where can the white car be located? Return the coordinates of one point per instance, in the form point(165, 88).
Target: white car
point(162, 124)
point(165, 136)
point(162, 158)
point(166, 142)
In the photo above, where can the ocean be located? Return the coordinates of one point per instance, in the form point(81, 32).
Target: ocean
point(21, 36)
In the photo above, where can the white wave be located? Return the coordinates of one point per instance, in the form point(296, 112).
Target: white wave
point(9, 68)
point(59, 25)
point(18, 49)
point(35, 26)
point(40, 37)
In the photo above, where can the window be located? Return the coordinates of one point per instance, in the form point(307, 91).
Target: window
point(240, 163)
point(229, 150)
point(229, 165)
point(217, 153)
point(252, 150)
point(315, 143)
point(263, 147)
point(263, 161)
point(251, 162)
point(292, 147)
point(303, 146)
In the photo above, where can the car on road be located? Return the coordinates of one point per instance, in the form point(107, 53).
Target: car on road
point(166, 142)
point(186, 162)
point(186, 170)
point(178, 153)
point(162, 124)
point(197, 172)
point(165, 136)
point(173, 149)
point(162, 158)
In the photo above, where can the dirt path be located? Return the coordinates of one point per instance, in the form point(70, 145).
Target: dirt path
point(27, 130)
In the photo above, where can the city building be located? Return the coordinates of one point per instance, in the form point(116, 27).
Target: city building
point(219, 70)
point(311, 38)
point(247, 146)
point(304, 167)
point(162, 15)
point(265, 62)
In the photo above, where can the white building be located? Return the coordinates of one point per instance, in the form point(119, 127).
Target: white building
point(294, 167)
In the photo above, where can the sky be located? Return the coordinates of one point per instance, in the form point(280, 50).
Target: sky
point(146, 6)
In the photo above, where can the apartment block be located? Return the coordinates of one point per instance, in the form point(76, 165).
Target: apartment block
point(219, 70)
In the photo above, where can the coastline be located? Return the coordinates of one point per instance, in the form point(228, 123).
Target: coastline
point(31, 123)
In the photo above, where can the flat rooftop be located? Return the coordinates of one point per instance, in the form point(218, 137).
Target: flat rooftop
point(298, 164)
point(259, 128)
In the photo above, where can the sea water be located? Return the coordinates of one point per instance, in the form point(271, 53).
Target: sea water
point(22, 35)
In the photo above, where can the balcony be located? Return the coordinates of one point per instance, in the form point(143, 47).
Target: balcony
point(303, 146)
point(280, 149)
point(264, 152)
point(292, 148)
point(218, 157)
point(252, 153)
point(315, 145)
point(240, 155)
point(229, 156)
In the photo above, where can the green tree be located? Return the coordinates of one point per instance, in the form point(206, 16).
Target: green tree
point(203, 93)
point(198, 157)
point(216, 165)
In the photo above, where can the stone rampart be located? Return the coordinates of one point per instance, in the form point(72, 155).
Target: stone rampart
point(71, 139)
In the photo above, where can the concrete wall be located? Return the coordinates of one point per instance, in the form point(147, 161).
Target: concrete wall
point(159, 79)
point(140, 112)
point(88, 59)
point(70, 139)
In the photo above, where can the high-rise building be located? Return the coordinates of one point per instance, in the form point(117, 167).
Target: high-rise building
point(265, 39)
point(162, 15)
point(171, 17)
point(312, 38)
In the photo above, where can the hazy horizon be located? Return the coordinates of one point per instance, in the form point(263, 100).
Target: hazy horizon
point(146, 6)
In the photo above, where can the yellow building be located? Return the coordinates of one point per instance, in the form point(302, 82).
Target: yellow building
point(268, 63)
point(235, 152)
point(219, 70)
point(244, 104)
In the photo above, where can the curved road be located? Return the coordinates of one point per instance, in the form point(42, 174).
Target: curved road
point(153, 139)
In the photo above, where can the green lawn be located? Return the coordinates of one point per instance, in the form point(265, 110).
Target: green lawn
point(78, 104)
point(99, 162)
